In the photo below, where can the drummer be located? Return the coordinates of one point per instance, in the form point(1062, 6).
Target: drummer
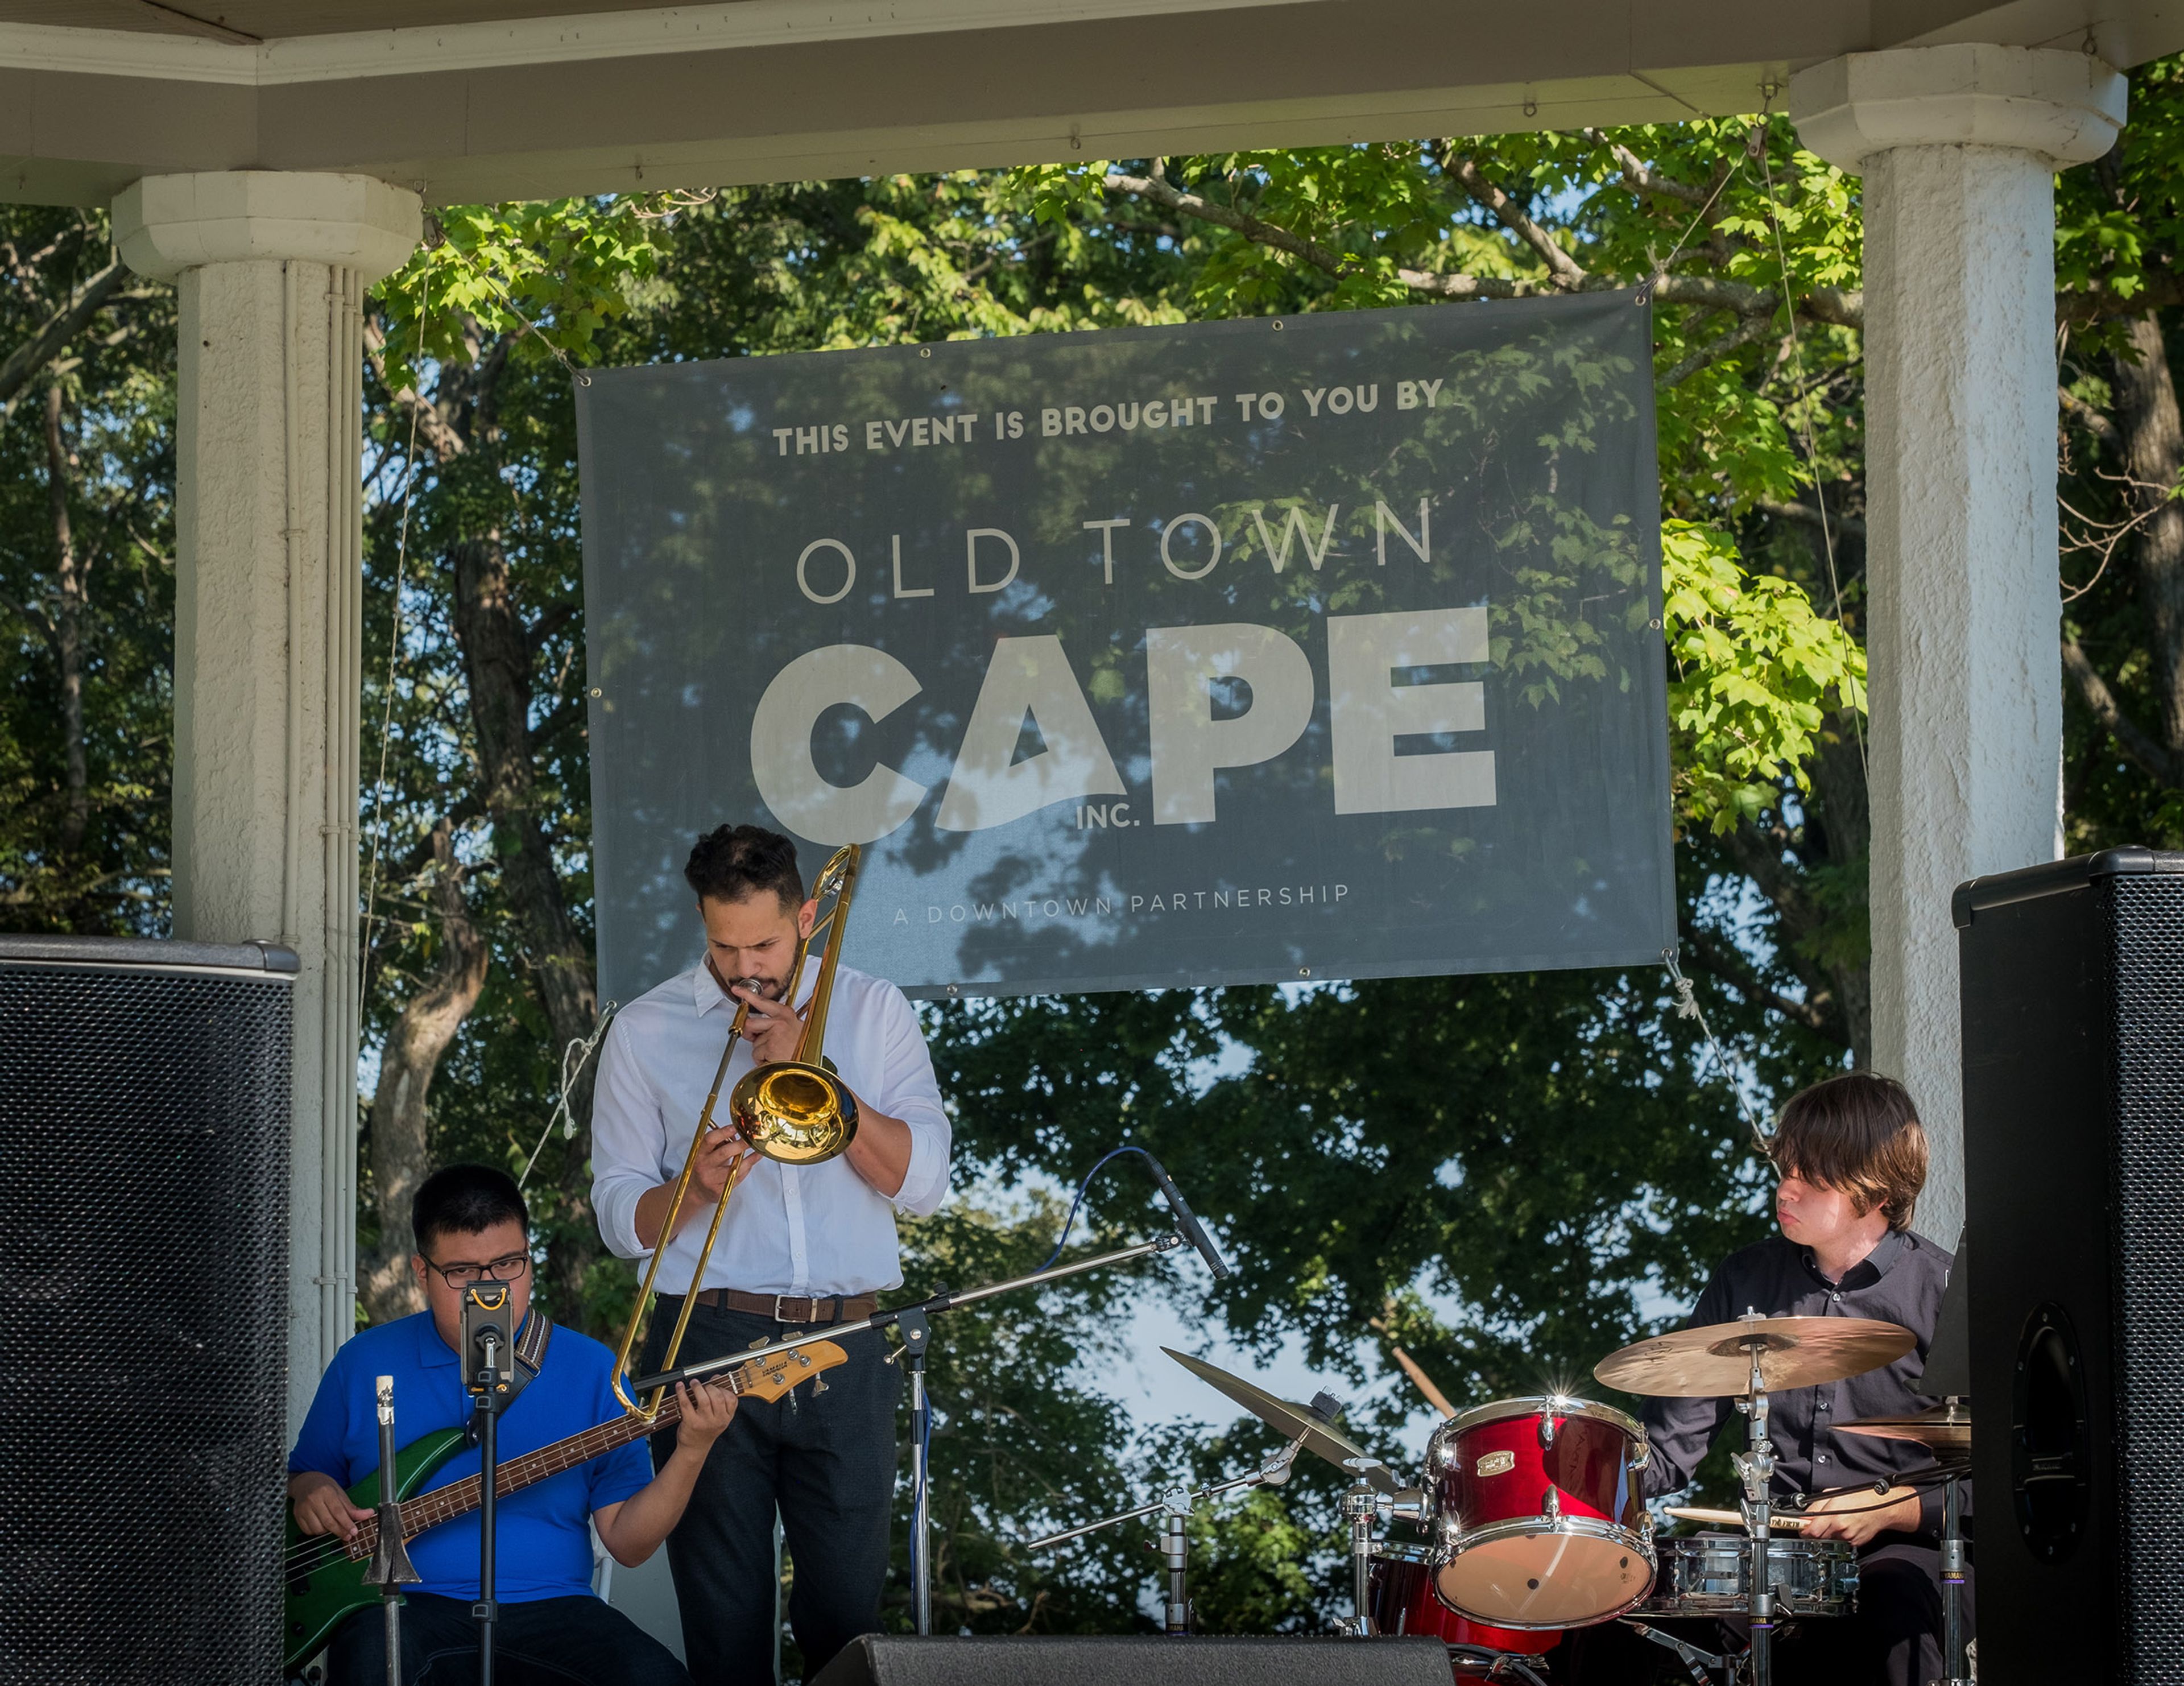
point(1851, 1157)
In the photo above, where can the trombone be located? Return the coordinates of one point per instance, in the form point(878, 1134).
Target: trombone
point(796, 1111)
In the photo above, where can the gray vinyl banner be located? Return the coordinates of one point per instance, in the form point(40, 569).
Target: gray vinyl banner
point(1319, 647)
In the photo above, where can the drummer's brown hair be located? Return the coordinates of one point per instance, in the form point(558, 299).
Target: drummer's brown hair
point(1858, 1133)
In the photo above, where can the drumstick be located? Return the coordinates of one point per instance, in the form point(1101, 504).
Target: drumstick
point(1435, 1396)
point(1686, 1513)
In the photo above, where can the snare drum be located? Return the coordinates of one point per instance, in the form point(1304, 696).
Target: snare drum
point(1537, 1518)
point(1403, 1601)
point(1711, 1575)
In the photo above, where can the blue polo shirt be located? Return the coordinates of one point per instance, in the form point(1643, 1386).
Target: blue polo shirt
point(543, 1541)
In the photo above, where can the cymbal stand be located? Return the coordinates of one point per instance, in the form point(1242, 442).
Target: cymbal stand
point(1953, 1584)
point(1756, 1466)
point(1362, 1504)
point(1175, 1506)
point(1694, 1659)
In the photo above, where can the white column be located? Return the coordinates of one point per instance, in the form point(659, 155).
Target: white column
point(1959, 147)
point(270, 269)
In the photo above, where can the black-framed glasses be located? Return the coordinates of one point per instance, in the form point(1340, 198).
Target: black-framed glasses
point(460, 1277)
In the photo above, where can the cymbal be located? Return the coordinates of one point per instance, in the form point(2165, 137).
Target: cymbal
point(1292, 1419)
point(1796, 1352)
point(1942, 1428)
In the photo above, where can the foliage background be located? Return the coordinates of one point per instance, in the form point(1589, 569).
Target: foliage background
point(1506, 1177)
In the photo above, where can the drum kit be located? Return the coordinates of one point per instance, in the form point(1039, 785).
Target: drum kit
point(1533, 1518)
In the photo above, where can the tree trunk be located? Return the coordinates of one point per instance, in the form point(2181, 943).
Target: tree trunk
point(399, 1146)
point(67, 630)
point(1841, 947)
point(497, 659)
point(2153, 453)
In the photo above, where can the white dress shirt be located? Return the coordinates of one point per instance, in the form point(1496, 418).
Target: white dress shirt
point(798, 1230)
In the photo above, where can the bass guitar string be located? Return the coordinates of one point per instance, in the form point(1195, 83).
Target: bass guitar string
point(315, 1552)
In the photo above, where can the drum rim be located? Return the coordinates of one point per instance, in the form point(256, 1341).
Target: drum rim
point(1523, 1527)
point(1542, 1405)
point(1777, 1544)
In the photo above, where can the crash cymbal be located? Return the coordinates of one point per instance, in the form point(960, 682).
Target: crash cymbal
point(1795, 1352)
point(1944, 1428)
point(1291, 1420)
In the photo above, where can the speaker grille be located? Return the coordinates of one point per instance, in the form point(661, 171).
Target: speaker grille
point(143, 1323)
point(2145, 938)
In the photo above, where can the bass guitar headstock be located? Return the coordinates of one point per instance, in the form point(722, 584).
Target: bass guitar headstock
point(770, 1377)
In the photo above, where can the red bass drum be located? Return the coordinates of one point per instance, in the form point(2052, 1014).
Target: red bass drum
point(1403, 1601)
point(1537, 1518)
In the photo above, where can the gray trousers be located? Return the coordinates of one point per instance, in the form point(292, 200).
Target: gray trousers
point(826, 1461)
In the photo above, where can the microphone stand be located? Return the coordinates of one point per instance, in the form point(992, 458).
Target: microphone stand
point(916, 1334)
point(490, 1352)
point(944, 1301)
point(1175, 1506)
point(390, 1566)
point(910, 1322)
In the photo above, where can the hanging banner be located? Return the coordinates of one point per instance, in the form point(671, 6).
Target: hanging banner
point(1326, 646)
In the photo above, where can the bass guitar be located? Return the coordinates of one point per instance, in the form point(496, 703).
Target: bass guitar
point(325, 1581)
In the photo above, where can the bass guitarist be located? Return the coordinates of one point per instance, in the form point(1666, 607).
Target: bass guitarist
point(471, 1224)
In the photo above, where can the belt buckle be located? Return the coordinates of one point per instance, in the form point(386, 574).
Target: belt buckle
point(779, 1314)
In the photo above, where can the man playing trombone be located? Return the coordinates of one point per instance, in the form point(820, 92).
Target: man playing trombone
point(799, 1245)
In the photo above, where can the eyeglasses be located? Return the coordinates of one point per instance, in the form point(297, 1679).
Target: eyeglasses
point(460, 1277)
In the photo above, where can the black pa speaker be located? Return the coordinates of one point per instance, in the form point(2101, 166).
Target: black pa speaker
point(892, 1660)
point(2073, 996)
point(144, 1123)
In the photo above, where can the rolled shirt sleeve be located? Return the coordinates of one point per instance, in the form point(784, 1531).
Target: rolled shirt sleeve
point(911, 1092)
point(1679, 1431)
point(629, 1137)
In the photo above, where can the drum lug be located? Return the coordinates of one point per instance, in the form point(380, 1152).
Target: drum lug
point(1644, 1453)
point(1549, 1424)
point(1551, 1507)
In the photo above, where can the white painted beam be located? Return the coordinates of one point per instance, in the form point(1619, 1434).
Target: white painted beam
point(767, 90)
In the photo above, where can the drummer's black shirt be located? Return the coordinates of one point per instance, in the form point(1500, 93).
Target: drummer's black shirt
point(1899, 1281)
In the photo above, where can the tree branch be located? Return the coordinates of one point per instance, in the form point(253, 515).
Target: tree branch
point(1732, 971)
point(440, 433)
point(62, 326)
point(1640, 180)
point(1163, 192)
point(41, 622)
point(2078, 410)
point(1745, 331)
point(1805, 514)
point(1569, 277)
point(1836, 306)
point(2082, 309)
point(2152, 758)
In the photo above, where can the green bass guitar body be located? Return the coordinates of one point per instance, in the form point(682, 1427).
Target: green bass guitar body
point(325, 1583)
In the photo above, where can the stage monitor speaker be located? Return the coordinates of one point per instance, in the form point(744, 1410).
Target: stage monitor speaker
point(144, 1125)
point(1146, 1659)
point(2073, 1003)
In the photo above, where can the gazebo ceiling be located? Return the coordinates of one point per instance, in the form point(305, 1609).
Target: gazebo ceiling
point(503, 99)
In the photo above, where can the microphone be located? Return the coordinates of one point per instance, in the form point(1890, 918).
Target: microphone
point(1185, 1219)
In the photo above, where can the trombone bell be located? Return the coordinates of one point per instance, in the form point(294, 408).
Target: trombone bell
point(797, 1114)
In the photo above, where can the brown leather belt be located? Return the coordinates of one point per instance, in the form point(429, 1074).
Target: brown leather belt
point(793, 1310)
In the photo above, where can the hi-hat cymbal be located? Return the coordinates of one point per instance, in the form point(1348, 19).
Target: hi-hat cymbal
point(1292, 1419)
point(1943, 1428)
point(1795, 1352)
